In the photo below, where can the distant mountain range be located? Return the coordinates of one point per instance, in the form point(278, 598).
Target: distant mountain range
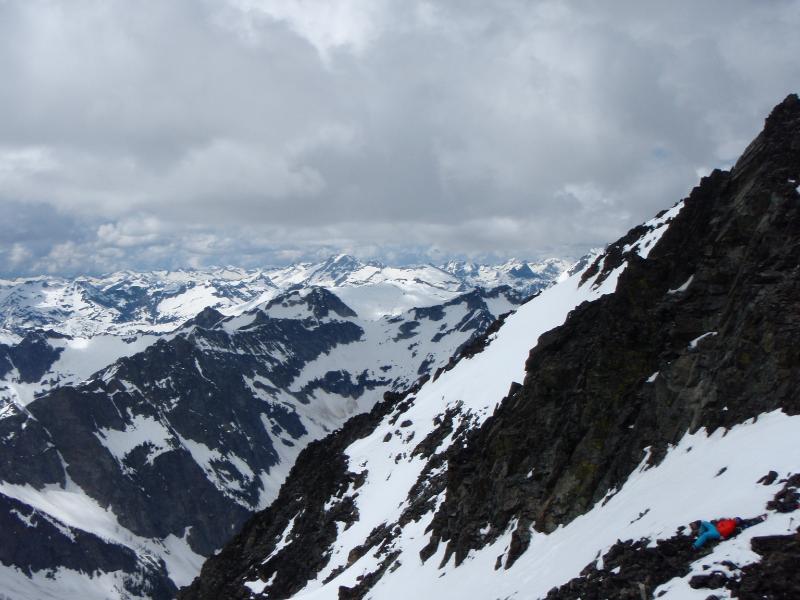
point(128, 302)
point(56, 331)
point(145, 416)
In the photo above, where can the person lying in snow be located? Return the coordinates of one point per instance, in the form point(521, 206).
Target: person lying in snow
point(723, 529)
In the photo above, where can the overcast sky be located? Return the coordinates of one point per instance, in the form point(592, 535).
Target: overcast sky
point(183, 133)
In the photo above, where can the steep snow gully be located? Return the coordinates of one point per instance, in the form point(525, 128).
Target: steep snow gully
point(662, 389)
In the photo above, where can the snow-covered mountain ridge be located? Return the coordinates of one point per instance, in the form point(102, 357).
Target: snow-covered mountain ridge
point(56, 332)
point(128, 303)
point(133, 476)
point(654, 387)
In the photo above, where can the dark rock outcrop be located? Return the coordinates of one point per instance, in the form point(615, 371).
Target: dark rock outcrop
point(635, 569)
point(702, 333)
point(630, 570)
point(319, 476)
point(319, 302)
point(32, 356)
point(775, 576)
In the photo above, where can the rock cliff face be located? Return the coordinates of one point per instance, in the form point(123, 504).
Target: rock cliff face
point(701, 333)
point(32, 357)
point(698, 335)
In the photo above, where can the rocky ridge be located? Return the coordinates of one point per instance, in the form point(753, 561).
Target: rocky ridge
point(699, 334)
point(696, 338)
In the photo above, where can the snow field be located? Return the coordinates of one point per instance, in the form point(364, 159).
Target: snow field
point(142, 430)
point(62, 584)
point(80, 358)
point(72, 507)
point(684, 487)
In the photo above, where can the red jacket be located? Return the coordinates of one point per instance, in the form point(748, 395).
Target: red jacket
point(726, 527)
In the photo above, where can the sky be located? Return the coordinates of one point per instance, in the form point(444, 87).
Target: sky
point(188, 133)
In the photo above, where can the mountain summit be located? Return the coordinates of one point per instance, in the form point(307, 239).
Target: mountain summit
point(655, 386)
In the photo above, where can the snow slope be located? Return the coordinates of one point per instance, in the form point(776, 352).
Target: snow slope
point(472, 392)
point(78, 358)
point(748, 451)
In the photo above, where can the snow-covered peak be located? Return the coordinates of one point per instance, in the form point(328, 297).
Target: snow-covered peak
point(126, 302)
point(313, 302)
point(524, 276)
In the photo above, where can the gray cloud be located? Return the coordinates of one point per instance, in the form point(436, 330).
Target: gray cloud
point(186, 133)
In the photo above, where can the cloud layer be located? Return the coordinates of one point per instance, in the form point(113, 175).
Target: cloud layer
point(195, 132)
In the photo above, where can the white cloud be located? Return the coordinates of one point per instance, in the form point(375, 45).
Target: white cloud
point(167, 133)
point(327, 26)
point(18, 255)
point(18, 164)
point(131, 232)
